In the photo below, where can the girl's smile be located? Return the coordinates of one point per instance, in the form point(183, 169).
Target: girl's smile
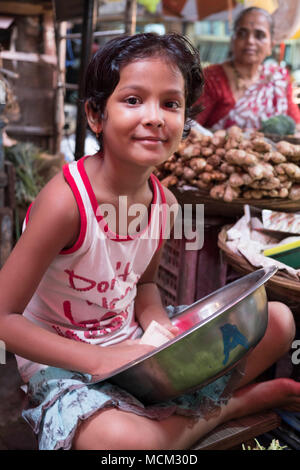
point(144, 116)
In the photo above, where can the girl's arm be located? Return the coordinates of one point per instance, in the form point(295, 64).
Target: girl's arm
point(53, 225)
point(148, 304)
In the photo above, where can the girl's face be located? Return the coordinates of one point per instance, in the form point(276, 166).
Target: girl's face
point(144, 116)
point(252, 40)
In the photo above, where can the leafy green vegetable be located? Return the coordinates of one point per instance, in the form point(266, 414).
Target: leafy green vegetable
point(273, 446)
point(280, 125)
point(24, 157)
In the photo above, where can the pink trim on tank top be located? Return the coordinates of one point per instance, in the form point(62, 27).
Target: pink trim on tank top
point(114, 236)
point(164, 202)
point(28, 212)
point(83, 220)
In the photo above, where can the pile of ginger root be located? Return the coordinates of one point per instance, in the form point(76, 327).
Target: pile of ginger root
point(228, 165)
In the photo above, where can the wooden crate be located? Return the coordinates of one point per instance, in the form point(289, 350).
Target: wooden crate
point(177, 273)
point(185, 276)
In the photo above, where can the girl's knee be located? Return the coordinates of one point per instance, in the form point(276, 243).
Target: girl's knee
point(281, 324)
point(120, 434)
point(116, 430)
point(128, 435)
point(140, 433)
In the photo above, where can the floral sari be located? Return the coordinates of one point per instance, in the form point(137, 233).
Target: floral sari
point(262, 100)
point(271, 95)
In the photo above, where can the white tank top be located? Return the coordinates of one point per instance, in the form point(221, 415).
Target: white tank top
point(87, 293)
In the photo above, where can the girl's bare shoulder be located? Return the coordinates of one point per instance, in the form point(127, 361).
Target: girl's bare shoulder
point(170, 197)
point(57, 196)
point(55, 206)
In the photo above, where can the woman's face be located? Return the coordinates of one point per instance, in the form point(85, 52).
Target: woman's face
point(252, 41)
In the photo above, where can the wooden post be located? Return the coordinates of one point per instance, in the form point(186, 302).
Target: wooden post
point(130, 16)
point(86, 48)
point(60, 89)
point(49, 33)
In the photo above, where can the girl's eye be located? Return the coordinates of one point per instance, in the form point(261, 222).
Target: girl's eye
point(132, 100)
point(172, 104)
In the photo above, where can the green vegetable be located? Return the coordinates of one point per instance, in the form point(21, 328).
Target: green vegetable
point(273, 446)
point(24, 157)
point(280, 125)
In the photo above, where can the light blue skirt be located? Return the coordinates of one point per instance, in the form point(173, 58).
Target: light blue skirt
point(58, 400)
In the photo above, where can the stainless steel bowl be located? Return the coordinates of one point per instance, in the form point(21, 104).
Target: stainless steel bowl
point(217, 332)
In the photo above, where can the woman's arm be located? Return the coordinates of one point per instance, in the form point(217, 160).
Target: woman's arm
point(217, 98)
point(293, 109)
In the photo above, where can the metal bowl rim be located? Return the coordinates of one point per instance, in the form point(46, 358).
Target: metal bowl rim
point(269, 272)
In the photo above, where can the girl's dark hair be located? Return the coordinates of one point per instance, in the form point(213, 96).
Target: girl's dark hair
point(103, 72)
point(245, 12)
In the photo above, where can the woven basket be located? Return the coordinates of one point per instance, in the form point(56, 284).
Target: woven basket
point(234, 208)
point(287, 138)
point(287, 290)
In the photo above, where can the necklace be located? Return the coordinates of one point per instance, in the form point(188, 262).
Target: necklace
point(243, 83)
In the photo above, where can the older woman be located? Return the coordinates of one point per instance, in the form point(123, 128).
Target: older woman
point(243, 91)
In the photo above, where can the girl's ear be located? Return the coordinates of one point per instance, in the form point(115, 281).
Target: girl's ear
point(93, 119)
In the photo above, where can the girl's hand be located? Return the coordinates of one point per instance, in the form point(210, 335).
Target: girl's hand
point(172, 329)
point(113, 357)
point(137, 346)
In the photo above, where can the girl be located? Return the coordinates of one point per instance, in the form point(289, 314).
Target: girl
point(76, 292)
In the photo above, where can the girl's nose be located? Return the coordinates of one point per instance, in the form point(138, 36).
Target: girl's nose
point(153, 116)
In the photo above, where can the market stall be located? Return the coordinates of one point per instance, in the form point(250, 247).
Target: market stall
point(232, 166)
point(226, 171)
